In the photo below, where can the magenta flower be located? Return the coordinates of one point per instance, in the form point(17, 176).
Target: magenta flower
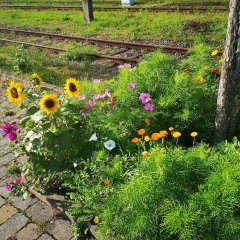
point(90, 104)
point(144, 98)
point(9, 128)
point(12, 136)
point(132, 85)
point(8, 187)
point(82, 97)
point(18, 180)
point(110, 100)
point(148, 107)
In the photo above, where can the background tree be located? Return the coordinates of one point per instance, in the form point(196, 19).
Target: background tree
point(228, 101)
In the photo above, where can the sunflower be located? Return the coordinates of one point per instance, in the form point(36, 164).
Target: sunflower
point(37, 79)
point(14, 93)
point(72, 87)
point(49, 104)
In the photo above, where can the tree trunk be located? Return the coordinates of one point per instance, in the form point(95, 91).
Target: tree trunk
point(87, 10)
point(228, 101)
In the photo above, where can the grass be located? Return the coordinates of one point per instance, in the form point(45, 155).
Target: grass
point(122, 25)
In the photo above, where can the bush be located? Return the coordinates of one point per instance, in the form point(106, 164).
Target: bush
point(179, 194)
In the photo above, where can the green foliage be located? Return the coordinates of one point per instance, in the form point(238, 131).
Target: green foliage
point(179, 194)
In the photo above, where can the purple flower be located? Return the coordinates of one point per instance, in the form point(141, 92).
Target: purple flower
point(82, 97)
point(148, 107)
point(90, 104)
point(132, 85)
point(8, 187)
point(18, 180)
point(96, 81)
point(12, 136)
point(144, 97)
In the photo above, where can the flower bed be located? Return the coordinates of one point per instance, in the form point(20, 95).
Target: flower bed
point(92, 138)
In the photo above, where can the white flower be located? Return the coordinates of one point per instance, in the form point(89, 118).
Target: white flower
point(74, 164)
point(110, 144)
point(29, 147)
point(93, 137)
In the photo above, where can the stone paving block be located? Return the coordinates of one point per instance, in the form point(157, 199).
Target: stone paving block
point(60, 229)
point(3, 171)
point(21, 159)
point(30, 232)
point(3, 192)
point(6, 211)
point(45, 237)
point(21, 203)
point(2, 201)
point(9, 157)
point(4, 150)
point(12, 226)
point(41, 213)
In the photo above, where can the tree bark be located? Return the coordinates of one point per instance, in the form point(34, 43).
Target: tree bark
point(87, 10)
point(228, 101)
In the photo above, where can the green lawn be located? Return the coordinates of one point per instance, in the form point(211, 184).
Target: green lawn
point(123, 25)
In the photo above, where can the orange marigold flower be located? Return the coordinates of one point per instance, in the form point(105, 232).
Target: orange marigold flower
point(144, 154)
point(135, 140)
point(163, 133)
point(155, 136)
point(107, 181)
point(141, 131)
point(176, 134)
point(147, 121)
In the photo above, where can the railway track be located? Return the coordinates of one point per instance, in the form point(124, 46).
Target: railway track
point(61, 50)
point(112, 9)
point(132, 45)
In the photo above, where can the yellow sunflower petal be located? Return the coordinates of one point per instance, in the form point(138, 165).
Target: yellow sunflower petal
point(37, 79)
point(49, 104)
point(72, 87)
point(14, 93)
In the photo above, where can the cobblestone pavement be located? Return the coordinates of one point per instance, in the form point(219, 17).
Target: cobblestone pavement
point(24, 219)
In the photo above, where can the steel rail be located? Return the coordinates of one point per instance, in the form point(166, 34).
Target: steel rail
point(111, 9)
point(54, 49)
point(94, 40)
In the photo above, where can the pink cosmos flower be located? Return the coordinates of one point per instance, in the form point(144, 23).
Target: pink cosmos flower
point(148, 107)
point(125, 65)
point(12, 136)
point(96, 97)
point(107, 93)
point(82, 97)
point(132, 85)
point(18, 180)
point(8, 187)
point(144, 97)
point(83, 113)
point(90, 104)
point(110, 100)
point(96, 81)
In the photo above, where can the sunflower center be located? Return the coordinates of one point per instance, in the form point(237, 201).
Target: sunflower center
point(49, 103)
point(14, 92)
point(72, 87)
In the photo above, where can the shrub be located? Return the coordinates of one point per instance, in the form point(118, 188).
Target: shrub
point(179, 194)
